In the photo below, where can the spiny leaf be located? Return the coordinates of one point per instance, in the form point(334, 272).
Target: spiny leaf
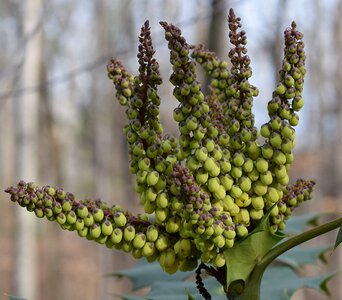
point(281, 283)
point(338, 238)
point(298, 223)
point(144, 273)
point(15, 298)
point(299, 256)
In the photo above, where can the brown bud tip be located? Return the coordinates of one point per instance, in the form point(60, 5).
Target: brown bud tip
point(231, 13)
point(293, 25)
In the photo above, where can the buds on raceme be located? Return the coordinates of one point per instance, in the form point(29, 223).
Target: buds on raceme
point(210, 187)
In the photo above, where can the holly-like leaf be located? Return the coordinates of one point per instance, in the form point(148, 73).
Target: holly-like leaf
point(297, 223)
point(144, 273)
point(338, 238)
point(299, 256)
point(281, 283)
point(15, 298)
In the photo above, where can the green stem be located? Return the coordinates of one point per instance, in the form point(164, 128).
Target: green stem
point(252, 289)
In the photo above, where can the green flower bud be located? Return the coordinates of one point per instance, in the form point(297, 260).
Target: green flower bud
point(219, 241)
point(294, 120)
point(83, 232)
point(150, 194)
point(71, 217)
point(144, 164)
point(202, 154)
point(129, 233)
point(116, 236)
point(284, 180)
point(259, 188)
point(281, 89)
point(139, 240)
point(245, 184)
point(95, 231)
point(39, 212)
point(178, 115)
point(225, 166)
point(183, 248)
point(236, 172)
point(280, 171)
point(82, 211)
point(243, 201)
point(120, 219)
point(192, 163)
point(56, 208)
point(256, 214)
point(261, 165)
point(149, 207)
point(152, 233)
point(172, 225)
point(287, 146)
point(98, 214)
point(66, 206)
point(213, 184)
point(241, 230)
point(275, 139)
point(229, 243)
point(279, 157)
point(274, 211)
point(191, 123)
point(101, 239)
point(227, 182)
point(79, 225)
point(209, 231)
point(266, 178)
point(162, 200)
point(238, 159)
point(161, 214)
point(265, 130)
point(272, 195)
point(61, 218)
point(106, 228)
point(220, 193)
point(242, 216)
point(88, 220)
point(253, 175)
point(148, 249)
point(152, 178)
point(289, 81)
point(258, 203)
point(253, 150)
point(209, 144)
point(276, 123)
point(248, 165)
point(162, 243)
point(267, 151)
point(201, 176)
point(235, 192)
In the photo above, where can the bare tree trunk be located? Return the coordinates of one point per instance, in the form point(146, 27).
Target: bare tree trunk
point(26, 157)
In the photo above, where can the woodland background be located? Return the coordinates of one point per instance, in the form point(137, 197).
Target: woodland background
point(60, 123)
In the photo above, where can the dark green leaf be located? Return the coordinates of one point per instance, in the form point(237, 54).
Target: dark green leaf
point(281, 283)
point(339, 237)
point(299, 256)
point(15, 298)
point(297, 224)
point(144, 273)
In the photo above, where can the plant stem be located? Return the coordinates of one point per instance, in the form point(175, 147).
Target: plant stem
point(252, 289)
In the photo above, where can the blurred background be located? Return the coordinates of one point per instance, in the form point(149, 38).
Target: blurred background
point(60, 123)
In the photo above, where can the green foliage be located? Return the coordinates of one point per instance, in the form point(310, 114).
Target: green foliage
point(339, 237)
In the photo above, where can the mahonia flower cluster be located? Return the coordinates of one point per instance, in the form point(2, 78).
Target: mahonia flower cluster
point(209, 187)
